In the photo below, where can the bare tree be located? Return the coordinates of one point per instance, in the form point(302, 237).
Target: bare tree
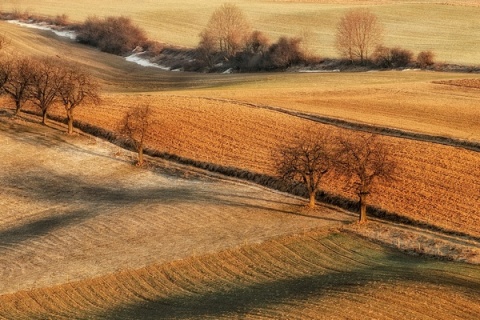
point(365, 161)
point(257, 43)
point(207, 47)
point(285, 52)
point(45, 84)
point(20, 81)
point(74, 88)
point(306, 161)
point(5, 74)
point(358, 33)
point(135, 125)
point(229, 28)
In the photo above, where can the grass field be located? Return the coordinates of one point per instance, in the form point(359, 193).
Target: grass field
point(450, 29)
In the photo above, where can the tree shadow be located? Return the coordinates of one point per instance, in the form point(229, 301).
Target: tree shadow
point(40, 227)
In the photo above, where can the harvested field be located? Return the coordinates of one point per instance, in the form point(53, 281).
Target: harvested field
point(466, 83)
point(193, 124)
point(86, 235)
point(75, 208)
point(316, 275)
point(426, 187)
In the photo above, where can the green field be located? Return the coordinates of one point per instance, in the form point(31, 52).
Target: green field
point(451, 31)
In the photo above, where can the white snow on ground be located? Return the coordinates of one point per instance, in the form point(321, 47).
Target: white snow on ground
point(144, 62)
point(135, 58)
point(67, 34)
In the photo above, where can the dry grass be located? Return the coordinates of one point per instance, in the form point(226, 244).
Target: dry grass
point(449, 26)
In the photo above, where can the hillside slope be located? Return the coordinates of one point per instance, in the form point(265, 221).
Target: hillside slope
point(74, 207)
point(316, 275)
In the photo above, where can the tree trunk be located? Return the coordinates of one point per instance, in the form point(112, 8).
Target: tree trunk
point(44, 116)
point(311, 203)
point(363, 207)
point(70, 121)
point(18, 106)
point(140, 155)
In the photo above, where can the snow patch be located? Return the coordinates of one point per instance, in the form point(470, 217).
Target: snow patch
point(61, 33)
point(135, 58)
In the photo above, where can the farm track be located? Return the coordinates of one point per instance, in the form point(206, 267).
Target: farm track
point(387, 131)
point(315, 275)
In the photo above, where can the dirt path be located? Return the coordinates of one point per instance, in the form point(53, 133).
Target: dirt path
point(344, 124)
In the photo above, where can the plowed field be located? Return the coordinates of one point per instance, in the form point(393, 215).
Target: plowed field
point(434, 184)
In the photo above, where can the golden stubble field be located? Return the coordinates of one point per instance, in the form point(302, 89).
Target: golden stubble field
point(86, 235)
point(450, 28)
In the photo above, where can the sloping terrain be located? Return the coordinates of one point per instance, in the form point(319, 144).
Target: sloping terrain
point(199, 124)
point(426, 187)
point(74, 207)
point(447, 27)
point(315, 275)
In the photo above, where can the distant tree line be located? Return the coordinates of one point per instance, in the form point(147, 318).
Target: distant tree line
point(229, 42)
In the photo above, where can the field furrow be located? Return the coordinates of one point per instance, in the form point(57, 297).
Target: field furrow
point(426, 186)
point(299, 290)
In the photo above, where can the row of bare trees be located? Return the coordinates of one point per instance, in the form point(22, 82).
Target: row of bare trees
point(45, 82)
point(229, 36)
point(359, 37)
point(361, 162)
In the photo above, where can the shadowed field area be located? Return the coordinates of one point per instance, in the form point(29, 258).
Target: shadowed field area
point(223, 119)
point(316, 275)
point(75, 207)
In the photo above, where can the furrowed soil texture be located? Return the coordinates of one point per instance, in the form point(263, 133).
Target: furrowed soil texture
point(315, 275)
point(434, 184)
point(86, 235)
point(73, 207)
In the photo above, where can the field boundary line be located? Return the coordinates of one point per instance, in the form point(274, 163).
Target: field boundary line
point(357, 126)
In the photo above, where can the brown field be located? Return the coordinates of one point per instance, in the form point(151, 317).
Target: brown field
point(86, 235)
point(191, 124)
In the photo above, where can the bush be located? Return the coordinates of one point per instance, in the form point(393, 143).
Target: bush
point(285, 52)
point(425, 59)
point(115, 35)
point(397, 57)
